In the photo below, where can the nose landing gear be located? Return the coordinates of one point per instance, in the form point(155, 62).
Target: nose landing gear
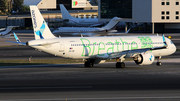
point(158, 61)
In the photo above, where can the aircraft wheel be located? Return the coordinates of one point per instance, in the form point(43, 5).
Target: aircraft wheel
point(88, 64)
point(158, 63)
point(120, 65)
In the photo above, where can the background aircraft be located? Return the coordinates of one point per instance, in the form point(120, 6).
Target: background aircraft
point(78, 22)
point(6, 33)
point(89, 31)
point(142, 49)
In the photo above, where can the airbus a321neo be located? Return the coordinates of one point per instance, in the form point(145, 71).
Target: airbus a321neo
point(142, 49)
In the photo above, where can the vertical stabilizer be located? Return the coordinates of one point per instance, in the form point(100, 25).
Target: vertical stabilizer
point(64, 12)
point(8, 30)
point(41, 30)
point(112, 24)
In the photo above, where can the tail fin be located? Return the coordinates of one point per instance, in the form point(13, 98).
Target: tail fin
point(112, 23)
point(64, 12)
point(41, 30)
point(8, 30)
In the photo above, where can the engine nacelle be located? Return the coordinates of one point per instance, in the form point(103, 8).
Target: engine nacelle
point(144, 58)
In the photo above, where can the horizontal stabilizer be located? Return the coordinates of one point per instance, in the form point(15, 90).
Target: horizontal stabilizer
point(17, 40)
point(21, 43)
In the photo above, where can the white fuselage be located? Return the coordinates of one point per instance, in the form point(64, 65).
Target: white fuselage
point(84, 22)
point(102, 47)
point(100, 31)
point(80, 30)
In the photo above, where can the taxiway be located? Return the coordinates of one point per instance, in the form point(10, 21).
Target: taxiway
point(103, 82)
point(74, 82)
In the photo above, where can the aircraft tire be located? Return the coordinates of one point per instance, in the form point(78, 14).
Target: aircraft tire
point(120, 65)
point(88, 64)
point(158, 64)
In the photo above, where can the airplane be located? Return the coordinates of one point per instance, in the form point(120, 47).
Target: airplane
point(142, 49)
point(6, 33)
point(78, 22)
point(109, 28)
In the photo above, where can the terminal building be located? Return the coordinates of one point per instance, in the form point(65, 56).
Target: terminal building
point(163, 15)
point(50, 11)
point(54, 4)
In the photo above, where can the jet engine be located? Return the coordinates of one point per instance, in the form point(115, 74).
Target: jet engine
point(144, 58)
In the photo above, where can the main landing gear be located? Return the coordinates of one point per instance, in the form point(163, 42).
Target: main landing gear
point(158, 61)
point(120, 64)
point(89, 63)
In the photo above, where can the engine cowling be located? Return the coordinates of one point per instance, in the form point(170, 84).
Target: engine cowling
point(144, 58)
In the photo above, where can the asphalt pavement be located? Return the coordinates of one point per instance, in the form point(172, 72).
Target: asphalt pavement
point(103, 82)
point(74, 82)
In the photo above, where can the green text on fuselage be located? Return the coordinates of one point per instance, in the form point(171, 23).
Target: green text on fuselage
point(101, 48)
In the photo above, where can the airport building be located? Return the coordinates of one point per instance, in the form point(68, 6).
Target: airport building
point(42, 4)
point(50, 11)
point(164, 15)
point(69, 4)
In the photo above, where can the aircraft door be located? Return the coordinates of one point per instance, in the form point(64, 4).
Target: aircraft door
point(62, 47)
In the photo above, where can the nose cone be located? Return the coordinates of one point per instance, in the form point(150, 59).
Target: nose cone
point(174, 48)
point(171, 47)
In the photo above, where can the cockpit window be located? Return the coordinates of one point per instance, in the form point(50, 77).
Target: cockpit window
point(171, 42)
